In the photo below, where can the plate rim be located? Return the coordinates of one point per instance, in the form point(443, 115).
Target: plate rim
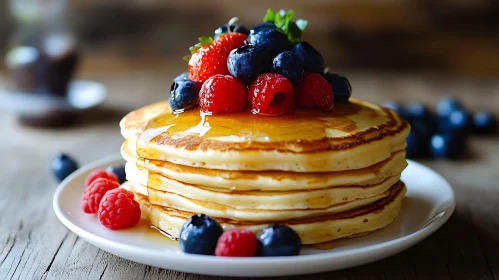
point(391, 246)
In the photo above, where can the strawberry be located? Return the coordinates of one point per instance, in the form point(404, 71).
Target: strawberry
point(209, 58)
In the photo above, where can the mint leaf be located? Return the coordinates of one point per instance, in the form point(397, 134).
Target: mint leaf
point(284, 22)
point(270, 16)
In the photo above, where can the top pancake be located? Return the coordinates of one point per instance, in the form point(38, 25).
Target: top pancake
point(351, 136)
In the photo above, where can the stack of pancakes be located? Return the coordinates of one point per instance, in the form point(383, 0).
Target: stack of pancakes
point(328, 175)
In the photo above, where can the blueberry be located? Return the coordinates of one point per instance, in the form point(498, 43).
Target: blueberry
point(312, 59)
point(272, 41)
point(397, 107)
point(278, 240)
point(184, 94)
point(261, 26)
point(447, 145)
point(458, 121)
point(199, 235)
point(181, 77)
point(446, 106)
point(248, 62)
point(342, 89)
point(289, 65)
point(118, 170)
point(63, 165)
point(233, 28)
point(419, 112)
point(418, 139)
point(484, 123)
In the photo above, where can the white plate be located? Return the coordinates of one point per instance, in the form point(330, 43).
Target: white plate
point(429, 202)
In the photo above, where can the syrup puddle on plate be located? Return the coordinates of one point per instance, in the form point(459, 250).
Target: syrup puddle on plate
point(152, 234)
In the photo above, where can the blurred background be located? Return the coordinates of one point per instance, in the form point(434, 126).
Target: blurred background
point(457, 37)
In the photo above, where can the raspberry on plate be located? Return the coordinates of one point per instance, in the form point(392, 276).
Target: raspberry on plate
point(236, 243)
point(222, 94)
point(314, 91)
point(211, 59)
point(100, 173)
point(271, 94)
point(118, 209)
point(94, 192)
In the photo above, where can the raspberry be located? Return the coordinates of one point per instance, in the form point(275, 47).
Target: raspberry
point(222, 94)
point(118, 209)
point(100, 173)
point(314, 91)
point(271, 94)
point(236, 243)
point(93, 194)
point(211, 59)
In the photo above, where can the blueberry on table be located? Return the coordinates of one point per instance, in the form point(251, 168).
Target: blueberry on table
point(447, 145)
point(342, 89)
point(397, 107)
point(289, 65)
point(278, 240)
point(418, 139)
point(119, 171)
point(419, 112)
point(181, 77)
point(184, 94)
point(248, 62)
point(446, 106)
point(272, 41)
point(311, 58)
point(199, 235)
point(484, 123)
point(458, 121)
point(233, 28)
point(62, 165)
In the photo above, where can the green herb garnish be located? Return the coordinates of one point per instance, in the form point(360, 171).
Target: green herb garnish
point(283, 20)
point(203, 41)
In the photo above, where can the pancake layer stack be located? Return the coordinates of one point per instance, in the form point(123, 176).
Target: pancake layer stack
point(328, 175)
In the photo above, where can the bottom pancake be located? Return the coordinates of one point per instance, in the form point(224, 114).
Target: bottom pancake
point(311, 230)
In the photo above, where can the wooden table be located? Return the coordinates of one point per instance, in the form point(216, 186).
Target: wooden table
point(35, 245)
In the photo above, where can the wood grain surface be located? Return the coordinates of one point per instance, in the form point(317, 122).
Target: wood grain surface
point(35, 245)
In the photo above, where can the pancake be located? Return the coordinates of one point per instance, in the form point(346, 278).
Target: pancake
point(349, 137)
point(264, 200)
point(311, 230)
point(264, 180)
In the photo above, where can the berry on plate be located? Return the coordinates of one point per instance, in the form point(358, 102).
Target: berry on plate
point(100, 173)
point(341, 87)
point(209, 58)
point(199, 235)
point(266, 25)
point(315, 92)
point(311, 58)
point(184, 95)
point(248, 62)
point(222, 94)
point(484, 122)
point(62, 165)
point(94, 193)
point(119, 171)
point(236, 243)
point(272, 41)
point(271, 94)
point(278, 240)
point(118, 209)
point(289, 65)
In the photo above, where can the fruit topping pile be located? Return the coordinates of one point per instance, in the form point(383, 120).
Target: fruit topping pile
point(115, 207)
point(443, 133)
point(203, 235)
point(267, 70)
